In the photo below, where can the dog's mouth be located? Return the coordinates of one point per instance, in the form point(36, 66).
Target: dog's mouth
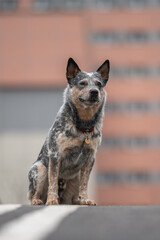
point(89, 101)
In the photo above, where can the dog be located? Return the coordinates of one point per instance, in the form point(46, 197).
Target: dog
point(61, 173)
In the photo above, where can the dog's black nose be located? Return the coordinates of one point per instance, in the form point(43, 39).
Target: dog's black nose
point(94, 93)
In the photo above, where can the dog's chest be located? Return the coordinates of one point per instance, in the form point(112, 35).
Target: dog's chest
point(67, 144)
point(74, 152)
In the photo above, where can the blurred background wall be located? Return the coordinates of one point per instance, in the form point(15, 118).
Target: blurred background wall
point(36, 39)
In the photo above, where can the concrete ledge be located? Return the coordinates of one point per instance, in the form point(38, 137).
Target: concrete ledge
point(79, 222)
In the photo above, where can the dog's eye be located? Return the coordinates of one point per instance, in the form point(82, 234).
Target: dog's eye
point(83, 83)
point(99, 84)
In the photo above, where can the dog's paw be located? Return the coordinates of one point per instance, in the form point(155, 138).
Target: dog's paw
point(87, 202)
point(76, 201)
point(37, 202)
point(52, 202)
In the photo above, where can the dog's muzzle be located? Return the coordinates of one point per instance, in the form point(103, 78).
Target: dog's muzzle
point(93, 97)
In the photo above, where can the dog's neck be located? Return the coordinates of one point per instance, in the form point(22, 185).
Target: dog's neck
point(85, 125)
point(86, 113)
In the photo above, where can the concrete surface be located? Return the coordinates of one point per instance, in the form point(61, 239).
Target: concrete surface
point(78, 222)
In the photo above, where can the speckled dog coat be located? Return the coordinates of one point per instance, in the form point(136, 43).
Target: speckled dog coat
point(61, 172)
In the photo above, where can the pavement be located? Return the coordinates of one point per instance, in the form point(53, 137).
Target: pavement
point(18, 222)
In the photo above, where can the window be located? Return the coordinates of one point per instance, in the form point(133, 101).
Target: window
point(135, 71)
point(131, 37)
point(8, 5)
point(47, 5)
point(125, 3)
point(128, 177)
point(138, 107)
point(130, 142)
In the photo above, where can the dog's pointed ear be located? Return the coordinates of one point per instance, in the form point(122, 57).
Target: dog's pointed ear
point(72, 69)
point(103, 70)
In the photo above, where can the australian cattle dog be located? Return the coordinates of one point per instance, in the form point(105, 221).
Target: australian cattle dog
point(61, 173)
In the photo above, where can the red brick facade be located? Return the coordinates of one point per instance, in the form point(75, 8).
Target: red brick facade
point(34, 48)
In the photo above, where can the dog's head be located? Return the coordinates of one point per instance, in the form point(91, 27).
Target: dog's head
point(87, 88)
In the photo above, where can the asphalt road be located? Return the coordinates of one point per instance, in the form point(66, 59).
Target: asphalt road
point(79, 223)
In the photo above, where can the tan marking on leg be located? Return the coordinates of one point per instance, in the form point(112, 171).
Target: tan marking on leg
point(53, 171)
point(40, 191)
point(84, 178)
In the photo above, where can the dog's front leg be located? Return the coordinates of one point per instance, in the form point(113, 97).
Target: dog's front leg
point(53, 172)
point(84, 178)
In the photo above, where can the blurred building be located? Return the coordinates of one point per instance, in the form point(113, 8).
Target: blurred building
point(36, 39)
